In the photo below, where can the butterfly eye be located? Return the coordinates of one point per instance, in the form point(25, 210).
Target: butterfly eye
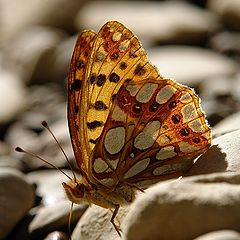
point(79, 190)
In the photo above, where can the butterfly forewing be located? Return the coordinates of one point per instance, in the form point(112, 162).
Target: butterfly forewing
point(117, 56)
point(76, 82)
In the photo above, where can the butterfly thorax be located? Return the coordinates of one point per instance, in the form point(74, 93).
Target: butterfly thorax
point(82, 192)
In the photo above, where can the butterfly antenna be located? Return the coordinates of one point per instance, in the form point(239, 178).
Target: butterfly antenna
point(69, 221)
point(45, 125)
point(18, 149)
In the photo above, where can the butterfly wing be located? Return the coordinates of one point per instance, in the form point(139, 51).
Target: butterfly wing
point(152, 128)
point(155, 129)
point(116, 57)
point(100, 65)
point(127, 122)
point(77, 78)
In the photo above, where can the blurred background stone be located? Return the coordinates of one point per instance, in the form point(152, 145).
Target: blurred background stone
point(51, 218)
point(16, 199)
point(227, 43)
point(228, 12)
point(57, 13)
point(191, 65)
point(13, 97)
point(229, 124)
point(49, 185)
point(31, 54)
point(167, 22)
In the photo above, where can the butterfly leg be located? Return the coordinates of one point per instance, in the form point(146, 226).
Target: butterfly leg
point(113, 217)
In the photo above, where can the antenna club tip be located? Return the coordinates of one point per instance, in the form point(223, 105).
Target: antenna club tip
point(45, 124)
point(18, 149)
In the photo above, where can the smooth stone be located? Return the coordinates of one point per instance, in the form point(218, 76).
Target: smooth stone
point(6, 158)
point(5, 149)
point(20, 135)
point(222, 156)
point(17, 197)
point(13, 96)
point(227, 43)
point(10, 162)
point(50, 147)
point(215, 109)
point(34, 50)
point(185, 209)
point(55, 13)
point(219, 88)
point(36, 139)
point(56, 235)
point(49, 185)
point(39, 141)
point(218, 98)
point(168, 22)
point(95, 224)
point(228, 12)
point(191, 65)
point(54, 217)
point(229, 124)
point(60, 60)
point(236, 89)
point(220, 235)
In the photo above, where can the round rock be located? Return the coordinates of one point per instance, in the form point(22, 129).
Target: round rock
point(185, 209)
point(191, 65)
point(17, 197)
point(228, 11)
point(220, 235)
point(57, 13)
point(168, 22)
point(54, 217)
point(95, 224)
point(56, 235)
point(229, 124)
point(13, 96)
point(33, 53)
point(49, 185)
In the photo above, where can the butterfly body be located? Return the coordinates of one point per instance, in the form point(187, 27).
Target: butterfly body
point(129, 126)
point(82, 192)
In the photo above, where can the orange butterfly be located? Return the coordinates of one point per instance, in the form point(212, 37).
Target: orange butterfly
point(128, 124)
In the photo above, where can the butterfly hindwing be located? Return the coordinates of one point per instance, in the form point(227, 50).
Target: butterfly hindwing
point(155, 129)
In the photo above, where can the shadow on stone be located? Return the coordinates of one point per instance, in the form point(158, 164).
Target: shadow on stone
point(214, 160)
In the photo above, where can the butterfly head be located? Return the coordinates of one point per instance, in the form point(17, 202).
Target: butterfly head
point(75, 191)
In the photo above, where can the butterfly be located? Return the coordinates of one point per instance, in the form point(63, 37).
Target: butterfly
point(129, 125)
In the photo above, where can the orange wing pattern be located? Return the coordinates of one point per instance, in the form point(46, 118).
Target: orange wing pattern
point(117, 55)
point(155, 129)
point(129, 124)
point(80, 61)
